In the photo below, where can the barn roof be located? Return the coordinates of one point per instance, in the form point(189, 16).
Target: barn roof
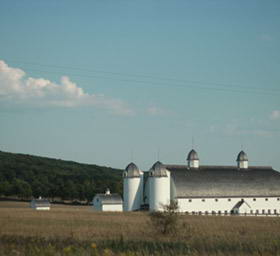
point(110, 198)
point(224, 181)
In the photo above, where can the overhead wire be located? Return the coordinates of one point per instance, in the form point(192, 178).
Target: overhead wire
point(161, 81)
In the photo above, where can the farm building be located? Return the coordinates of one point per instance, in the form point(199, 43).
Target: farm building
point(204, 189)
point(108, 202)
point(40, 204)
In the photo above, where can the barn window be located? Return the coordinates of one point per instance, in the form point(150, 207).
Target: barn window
point(199, 213)
point(268, 211)
point(257, 211)
point(226, 212)
point(278, 199)
point(216, 199)
point(254, 199)
point(229, 199)
point(193, 213)
point(206, 213)
point(187, 213)
point(190, 200)
point(275, 211)
point(213, 212)
point(203, 200)
point(263, 211)
point(266, 199)
point(251, 211)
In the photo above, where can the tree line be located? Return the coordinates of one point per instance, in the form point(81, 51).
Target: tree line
point(26, 176)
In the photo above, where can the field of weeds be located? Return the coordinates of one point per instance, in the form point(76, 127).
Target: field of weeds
point(77, 230)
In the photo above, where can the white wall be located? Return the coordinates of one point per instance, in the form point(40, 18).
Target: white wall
point(42, 208)
point(242, 164)
point(112, 207)
point(223, 204)
point(194, 163)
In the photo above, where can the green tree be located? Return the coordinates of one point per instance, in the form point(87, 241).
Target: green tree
point(22, 189)
point(5, 188)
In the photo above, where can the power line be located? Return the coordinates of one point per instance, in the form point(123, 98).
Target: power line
point(175, 82)
point(158, 84)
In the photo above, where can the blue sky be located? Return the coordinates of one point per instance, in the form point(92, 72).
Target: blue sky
point(106, 82)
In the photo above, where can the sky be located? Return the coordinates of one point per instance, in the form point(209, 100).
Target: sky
point(110, 82)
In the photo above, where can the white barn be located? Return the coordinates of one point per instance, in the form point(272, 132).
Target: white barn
point(40, 204)
point(107, 202)
point(204, 189)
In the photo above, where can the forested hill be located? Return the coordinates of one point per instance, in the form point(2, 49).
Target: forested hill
point(26, 176)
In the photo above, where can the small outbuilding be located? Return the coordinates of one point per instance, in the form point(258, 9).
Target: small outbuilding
point(108, 202)
point(41, 204)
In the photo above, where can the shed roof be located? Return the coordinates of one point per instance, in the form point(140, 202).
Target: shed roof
point(41, 202)
point(110, 198)
point(224, 181)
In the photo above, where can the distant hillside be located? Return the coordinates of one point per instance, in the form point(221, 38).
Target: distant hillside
point(25, 176)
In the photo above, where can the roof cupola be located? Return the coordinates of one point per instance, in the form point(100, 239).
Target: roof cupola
point(193, 160)
point(242, 160)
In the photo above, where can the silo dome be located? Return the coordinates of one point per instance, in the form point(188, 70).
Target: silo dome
point(242, 156)
point(132, 171)
point(192, 155)
point(158, 170)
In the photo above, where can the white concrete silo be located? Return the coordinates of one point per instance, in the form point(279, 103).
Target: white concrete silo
point(132, 188)
point(159, 181)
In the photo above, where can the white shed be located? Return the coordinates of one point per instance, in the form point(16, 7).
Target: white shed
point(108, 202)
point(41, 204)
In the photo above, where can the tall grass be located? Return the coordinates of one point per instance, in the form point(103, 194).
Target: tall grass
point(71, 230)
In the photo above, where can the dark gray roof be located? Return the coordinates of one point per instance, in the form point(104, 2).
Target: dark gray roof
point(158, 170)
point(132, 171)
point(224, 181)
point(110, 199)
point(192, 155)
point(41, 202)
point(242, 156)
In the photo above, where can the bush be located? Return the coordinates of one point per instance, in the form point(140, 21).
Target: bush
point(166, 221)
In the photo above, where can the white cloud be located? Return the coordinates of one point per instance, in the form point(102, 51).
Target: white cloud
point(275, 115)
point(266, 37)
point(16, 88)
point(155, 111)
point(238, 128)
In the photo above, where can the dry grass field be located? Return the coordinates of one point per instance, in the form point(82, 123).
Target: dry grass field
point(77, 230)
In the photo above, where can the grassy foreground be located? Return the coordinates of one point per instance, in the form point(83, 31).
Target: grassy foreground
point(71, 230)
